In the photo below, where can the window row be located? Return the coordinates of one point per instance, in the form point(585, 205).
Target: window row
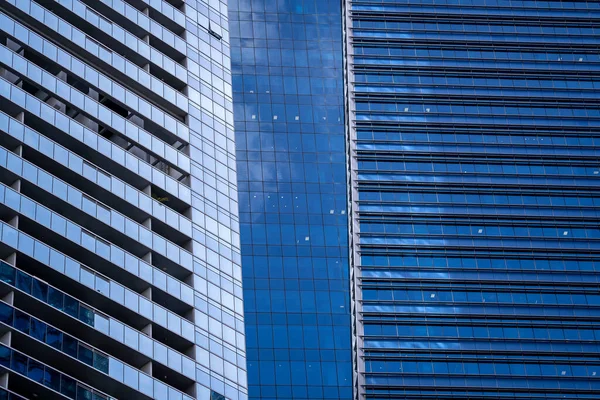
point(89, 106)
point(506, 168)
point(47, 376)
point(571, 276)
point(109, 326)
point(483, 332)
point(53, 337)
point(532, 296)
point(97, 80)
point(556, 66)
point(71, 268)
point(168, 11)
point(471, 54)
point(550, 37)
point(125, 38)
point(148, 24)
point(482, 345)
point(492, 309)
point(76, 163)
point(423, 79)
point(473, 7)
point(483, 368)
point(486, 230)
point(482, 110)
point(417, 198)
point(138, 75)
point(490, 262)
point(89, 205)
point(94, 244)
point(400, 93)
point(512, 137)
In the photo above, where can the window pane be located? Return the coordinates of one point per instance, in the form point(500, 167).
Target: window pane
point(35, 371)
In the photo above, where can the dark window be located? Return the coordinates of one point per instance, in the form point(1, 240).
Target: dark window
point(6, 314)
point(67, 386)
point(35, 371)
point(38, 329)
point(40, 290)
point(101, 362)
point(19, 363)
point(70, 346)
point(52, 379)
point(54, 337)
point(55, 298)
point(86, 354)
point(71, 306)
point(22, 321)
point(23, 282)
point(7, 273)
point(86, 315)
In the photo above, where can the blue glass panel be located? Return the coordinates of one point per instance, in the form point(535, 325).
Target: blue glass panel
point(68, 386)
point(35, 371)
point(7, 273)
point(23, 282)
point(22, 321)
point(18, 363)
point(6, 314)
point(287, 73)
point(473, 139)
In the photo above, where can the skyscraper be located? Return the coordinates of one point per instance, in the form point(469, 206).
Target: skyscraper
point(474, 135)
point(119, 231)
point(289, 125)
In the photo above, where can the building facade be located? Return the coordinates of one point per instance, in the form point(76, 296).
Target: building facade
point(120, 275)
point(474, 136)
point(289, 125)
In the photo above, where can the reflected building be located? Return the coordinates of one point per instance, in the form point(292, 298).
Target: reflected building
point(120, 271)
point(289, 125)
point(474, 136)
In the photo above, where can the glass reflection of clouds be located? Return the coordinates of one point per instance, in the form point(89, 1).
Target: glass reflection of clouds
point(476, 176)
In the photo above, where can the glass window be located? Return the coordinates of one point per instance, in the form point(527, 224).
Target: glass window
point(55, 298)
point(71, 306)
point(83, 393)
point(102, 285)
point(54, 337)
point(22, 321)
point(85, 354)
point(86, 315)
point(52, 379)
point(6, 314)
point(101, 323)
point(146, 385)
point(40, 290)
point(7, 273)
point(130, 377)
point(67, 386)
point(38, 329)
point(23, 282)
point(131, 337)
point(35, 371)
point(115, 369)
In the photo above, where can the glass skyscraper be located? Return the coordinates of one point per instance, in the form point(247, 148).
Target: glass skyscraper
point(119, 235)
point(474, 136)
point(289, 125)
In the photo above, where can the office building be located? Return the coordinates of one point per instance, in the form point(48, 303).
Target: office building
point(120, 275)
point(474, 135)
point(289, 125)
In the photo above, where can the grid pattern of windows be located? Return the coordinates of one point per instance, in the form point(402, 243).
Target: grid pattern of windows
point(287, 82)
point(120, 271)
point(474, 135)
